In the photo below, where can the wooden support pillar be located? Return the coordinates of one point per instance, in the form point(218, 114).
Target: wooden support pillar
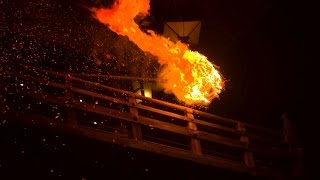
point(136, 128)
point(71, 114)
point(293, 145)
point(247, 156)
point(195, 143)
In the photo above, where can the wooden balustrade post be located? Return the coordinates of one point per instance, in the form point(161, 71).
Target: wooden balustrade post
point(293, 144)
point(71, 114)
point(247, 156)
point(136, 128)
point(195, 143)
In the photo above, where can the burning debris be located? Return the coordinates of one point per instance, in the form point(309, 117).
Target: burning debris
point(185, 73)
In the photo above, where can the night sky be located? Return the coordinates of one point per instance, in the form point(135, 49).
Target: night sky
point(260, 47)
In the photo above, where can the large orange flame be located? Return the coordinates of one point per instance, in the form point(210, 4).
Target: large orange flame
point(187, 74)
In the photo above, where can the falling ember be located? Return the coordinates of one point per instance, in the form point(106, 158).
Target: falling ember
point(187, 74)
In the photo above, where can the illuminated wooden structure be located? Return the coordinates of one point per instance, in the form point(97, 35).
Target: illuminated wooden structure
point(185, 31)
point(114, 115)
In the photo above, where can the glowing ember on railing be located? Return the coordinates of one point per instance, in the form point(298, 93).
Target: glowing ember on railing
point(187, 74)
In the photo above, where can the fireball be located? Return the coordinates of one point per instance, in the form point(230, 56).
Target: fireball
point(187, 74)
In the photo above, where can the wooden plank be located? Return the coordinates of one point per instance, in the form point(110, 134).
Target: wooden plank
point(220, 140)
point(163, 125)
point(151, 138)
point(77, 90)
point(108, 88)
point(145, 79)
point(84, 106)
point(163, 112)
point(272, 132)
point(216, 117)
point(265, 140)
point(100, 96)
point(234, 122)
point(217, 126)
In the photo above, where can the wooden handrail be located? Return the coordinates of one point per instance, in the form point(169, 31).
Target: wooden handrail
point(104, 97)
point(160, 102)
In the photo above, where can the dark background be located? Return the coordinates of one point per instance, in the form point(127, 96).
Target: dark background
point(260, 46)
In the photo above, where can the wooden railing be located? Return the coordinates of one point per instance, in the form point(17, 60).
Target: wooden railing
point(110, 113)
